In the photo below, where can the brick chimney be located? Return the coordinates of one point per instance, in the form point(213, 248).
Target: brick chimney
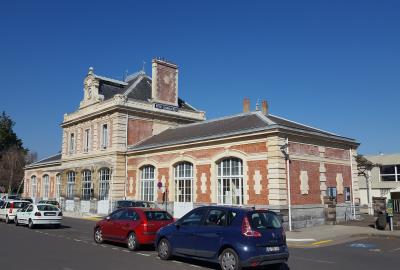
point(264, 107)
point(164, 88)
point(246, 105)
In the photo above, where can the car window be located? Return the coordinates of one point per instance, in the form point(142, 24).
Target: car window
point(117, 214)
point(193, 218)
point(129, 215)
point(231, 217)
point(8, 205)
point(47, 207)
point(20, 204)
point(25, 207)
point(215, 217)
point(30, 208)
point(264, 220)
point(157, 215)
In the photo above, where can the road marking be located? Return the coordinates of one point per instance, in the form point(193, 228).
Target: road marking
point(104, 246)
point(124, 250)
point(375, 250)
point(77, 240)
point(312, 260)
point(143, 254)
point(396, 249)
point(300, 240)
point(114, 248)
point(321, 242)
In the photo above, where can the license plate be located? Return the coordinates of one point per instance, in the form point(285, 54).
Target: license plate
point(271, 249)
point(49, 214)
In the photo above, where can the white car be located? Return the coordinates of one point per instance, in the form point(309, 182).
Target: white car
point(10, 207)
point(39, 214)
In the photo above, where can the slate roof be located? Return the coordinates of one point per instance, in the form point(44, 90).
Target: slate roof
point(52, 159)
point(239, 124)
point(137, 86)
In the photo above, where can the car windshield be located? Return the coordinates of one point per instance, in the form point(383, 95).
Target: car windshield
point(157, 215)
point(20, 204)
point(125, 203)
point(47, 207)
point(264, 220)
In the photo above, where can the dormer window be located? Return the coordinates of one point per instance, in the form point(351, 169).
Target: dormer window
point(104, 141)
point(71, 143)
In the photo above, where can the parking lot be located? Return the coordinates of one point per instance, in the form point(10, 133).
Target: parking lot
point(71, 248)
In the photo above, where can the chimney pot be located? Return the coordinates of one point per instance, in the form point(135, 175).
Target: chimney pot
point(246, 105)
point(264, 107)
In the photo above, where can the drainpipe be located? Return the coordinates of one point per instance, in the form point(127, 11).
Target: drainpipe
point(369, 182)
point(285, 150)
point(353, 205)
point(126, 157)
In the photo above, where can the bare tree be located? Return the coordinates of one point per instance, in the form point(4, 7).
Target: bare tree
point(364, 167)
point(12, 168)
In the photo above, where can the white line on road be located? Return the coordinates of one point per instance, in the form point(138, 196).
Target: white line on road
point(312, 260)
point(143, 254)
point(124, 250)
point(77, 240)
point(300, 240)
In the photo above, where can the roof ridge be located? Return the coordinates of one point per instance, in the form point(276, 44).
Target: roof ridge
point(44, 159)
point(134, 75)
point(212, 120)
point(265, 118)
point(110, 79)
point(321, 130)
point(132, 87)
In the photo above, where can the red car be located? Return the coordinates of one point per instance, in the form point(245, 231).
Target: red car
point(133, 226)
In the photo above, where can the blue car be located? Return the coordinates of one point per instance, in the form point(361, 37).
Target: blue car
point(231, 236)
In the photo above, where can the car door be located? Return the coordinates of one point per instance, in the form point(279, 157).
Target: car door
point(209, 235)
point(27, 214)
point(3, 211)
point(21, 214)
point(121, 225)
point(108, 227)
point(182, 239)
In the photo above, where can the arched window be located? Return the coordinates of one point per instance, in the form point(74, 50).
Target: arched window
point(104, 184)
point(33, 186)
point(230, 181)
point(86, 185)
point(147, 183)
point(58, 186)
point(70, 185)
point(46, 186)
point(183, 182)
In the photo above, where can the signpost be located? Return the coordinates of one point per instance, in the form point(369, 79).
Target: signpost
point(389, 211)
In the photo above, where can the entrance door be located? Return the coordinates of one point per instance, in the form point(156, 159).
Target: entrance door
point(183, 189)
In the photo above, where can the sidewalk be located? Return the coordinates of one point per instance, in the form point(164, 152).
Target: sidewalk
point(85, 216)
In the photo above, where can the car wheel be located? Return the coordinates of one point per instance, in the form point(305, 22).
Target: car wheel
point(277, 266)
point(132, 242)
point(229, 260)
point(98, 236)
point(16, 221)
point(56, 226)
point(7, 220)
point(30, 224)
point(164, 249)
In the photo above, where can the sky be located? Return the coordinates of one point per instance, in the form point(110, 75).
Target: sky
point(334, 65)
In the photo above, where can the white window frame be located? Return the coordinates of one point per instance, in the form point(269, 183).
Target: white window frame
point(184, 182)
point(104, 136)
point(72, 143)
point(71, 185)
point(86, 185)
point(86, 146)
point(46, 186)
point(104, 183)
point(228, 181)
point(147, 182)
point(58, 186)
point(33, 186)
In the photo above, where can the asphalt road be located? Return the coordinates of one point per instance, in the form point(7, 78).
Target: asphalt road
point(72, 248)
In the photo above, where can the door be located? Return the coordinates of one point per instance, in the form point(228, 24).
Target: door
point(3, 211)
point(22, 213)
point(208, 237)
point(109, 226)
point(27, 214)
point(183, 237)
point(183, 189)
point(122, 226)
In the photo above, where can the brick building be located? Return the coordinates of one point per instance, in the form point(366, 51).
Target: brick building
point(137, 139)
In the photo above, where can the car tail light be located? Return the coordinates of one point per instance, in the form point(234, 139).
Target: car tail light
point(60, 214)
point(11, 208)
point(247, 230)
point(38, 214)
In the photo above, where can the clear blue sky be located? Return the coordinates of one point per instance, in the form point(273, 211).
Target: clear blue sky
point(334, 65)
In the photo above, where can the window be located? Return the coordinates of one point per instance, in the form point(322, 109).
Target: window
point(331, 192)
point(104, 141)
point(193, 218)
point(58, 185)
point(33, 186)
point(183, 182)
point(30, 208)
point(86, 141)
point(86, 185)
point(157, 215)
point(347, 195)
point(264, 220)
point(70, 185)
point(71, 143)
point(147, 183)
point(104, 184)
point(215, 217)
point(230, 181)
point(46, 185)
point(118, 214)
point(390, 173)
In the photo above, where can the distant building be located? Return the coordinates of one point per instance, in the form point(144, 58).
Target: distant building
point(137, 139)
point(385, 179)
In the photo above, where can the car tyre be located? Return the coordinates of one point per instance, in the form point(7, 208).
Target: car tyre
point(56, 226)
point(7, 219)
point(229, 260)
point(16, 221)
point(30, 224)
point(164, 249)
point(98, 235)
point(132, 242)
